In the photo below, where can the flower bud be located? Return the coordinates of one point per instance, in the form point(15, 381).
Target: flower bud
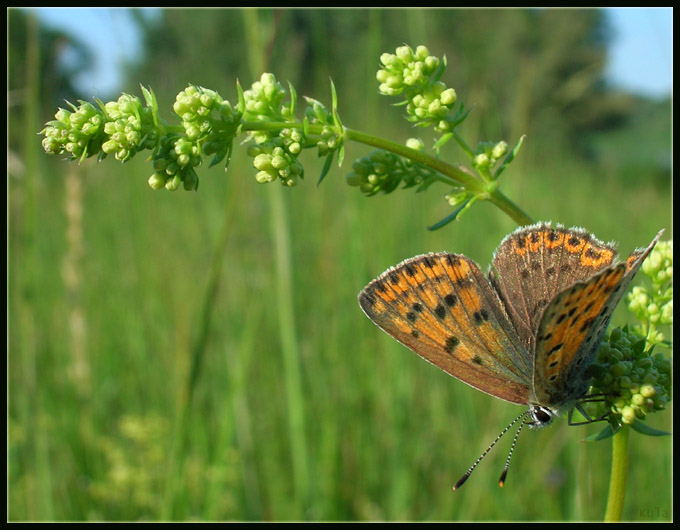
point(173, 184)
point(448, 97)
point(415, 143)
point(157, 181)
point(262, 162)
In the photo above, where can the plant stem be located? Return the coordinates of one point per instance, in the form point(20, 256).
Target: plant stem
point(290, 351)
point(509, 207)
point(619, 475)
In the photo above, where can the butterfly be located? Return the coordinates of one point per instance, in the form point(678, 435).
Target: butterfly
point(525, 333)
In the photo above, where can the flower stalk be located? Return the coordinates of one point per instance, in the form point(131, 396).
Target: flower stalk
point(266, 116)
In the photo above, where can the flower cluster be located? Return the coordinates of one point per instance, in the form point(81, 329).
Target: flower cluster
point(274, 161)
point(195, 106)
point(209, 123)
point(488, 154)
point(79, 133)
point(415, 75)
point(275, 151)
point(406, 70)
point(458, 196)
point(174, 164)
point(382, 171)
point(316, 113)
point(634, 382)
point(654, 307)
point(263, 101)
point(265, 114)
point(278, 138)
point(129, 127)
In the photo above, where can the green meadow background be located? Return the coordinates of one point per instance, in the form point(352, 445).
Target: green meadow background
point(202, 356)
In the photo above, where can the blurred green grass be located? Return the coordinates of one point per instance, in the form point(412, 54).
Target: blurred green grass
point(103, 326)
point(387, 434)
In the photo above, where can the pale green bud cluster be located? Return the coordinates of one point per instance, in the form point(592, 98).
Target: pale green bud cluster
point(457, 197)
point(174, 164)
point(433, 103)
point(129, 123)
point(382, 171)
point(406, 69)
point(274, 161)
point(263, 100)
point(276, 150)
point(634, 382)
point(200, 109)
point(126, 126)
point(329, 141)
point(659, 264)
point(654, 306)
point(488, 154)
point(316, 113)
point(79, 133)
point(414, 74)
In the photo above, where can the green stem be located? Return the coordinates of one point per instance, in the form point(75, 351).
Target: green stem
point(459, 140)
point(289, 346)
point(290, 351)
point(450, 174)
point(509, 207)
point(619, 476)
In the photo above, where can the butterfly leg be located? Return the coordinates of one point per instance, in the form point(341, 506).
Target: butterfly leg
point(578, 406)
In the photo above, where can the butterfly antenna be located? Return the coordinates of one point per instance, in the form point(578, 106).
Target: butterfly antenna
point(467, 474)
point(501, 480)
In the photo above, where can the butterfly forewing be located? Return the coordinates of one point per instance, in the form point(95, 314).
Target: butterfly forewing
point(442, 307)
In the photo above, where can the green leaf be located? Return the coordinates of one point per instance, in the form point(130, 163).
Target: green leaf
point(440, 70)
point(326, 167)
point(102, 107)
point(460, 115)
point(605, 433)
point(443, 140)
point(305, 127)
point(639, 347)
point(293, 98)
point(241, 107)
point(151, 101)
point(226, 149)
point(334, 107)
point(451, 216)
point(228, 155)
point(645, 429)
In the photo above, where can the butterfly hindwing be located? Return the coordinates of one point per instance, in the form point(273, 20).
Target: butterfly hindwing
point(442, 307)
point(572, 327)
point(569, 333)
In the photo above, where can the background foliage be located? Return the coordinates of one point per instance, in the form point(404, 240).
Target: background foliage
point(147, 332)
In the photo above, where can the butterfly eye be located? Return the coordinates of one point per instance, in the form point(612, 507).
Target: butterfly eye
point(542, 416)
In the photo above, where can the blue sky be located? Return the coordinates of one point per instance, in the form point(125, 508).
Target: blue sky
point(640, 59)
